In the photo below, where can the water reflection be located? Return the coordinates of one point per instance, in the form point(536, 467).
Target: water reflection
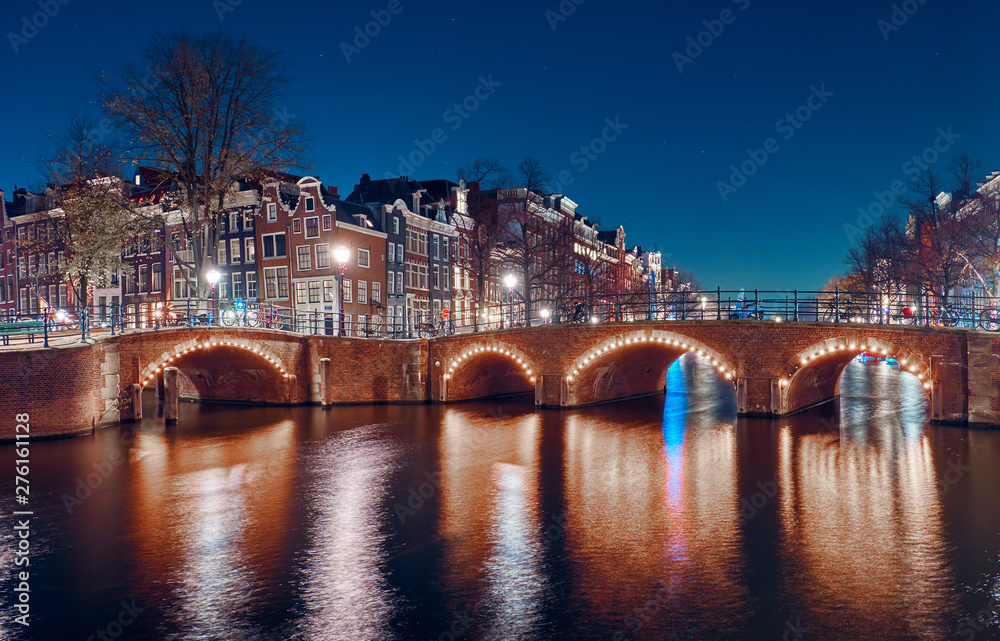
point(491, 519)
point(659, 518)
point(860, 514)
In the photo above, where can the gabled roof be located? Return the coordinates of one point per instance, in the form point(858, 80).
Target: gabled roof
point(389, 190)
point(350, 213)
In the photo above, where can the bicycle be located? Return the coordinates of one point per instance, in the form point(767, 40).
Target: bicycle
point(239, 315)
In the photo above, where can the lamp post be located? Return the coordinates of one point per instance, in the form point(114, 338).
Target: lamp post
point(342, 255)
point(510, 280)
point(544, 312)
point(213, 279)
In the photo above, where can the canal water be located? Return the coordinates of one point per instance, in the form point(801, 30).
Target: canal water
point(660, 518)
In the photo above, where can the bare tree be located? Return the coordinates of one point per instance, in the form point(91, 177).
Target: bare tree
point(538, 242)
point(937, 239)
point(91, 218)
point(482, 227)
point(212, 118)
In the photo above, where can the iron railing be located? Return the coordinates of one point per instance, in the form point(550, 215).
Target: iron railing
point(925, 309)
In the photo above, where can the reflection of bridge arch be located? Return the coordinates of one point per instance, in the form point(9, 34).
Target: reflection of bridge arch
point(813, 375)
point(487, 368)
point(634, 364)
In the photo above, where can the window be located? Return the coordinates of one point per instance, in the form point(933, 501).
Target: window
point(143, 278)
point(444, 278)
point(157, 277)
point(327, 222)
point(395, 225)
point(363, 258)
point(222, 253)
point(300, 293)
point(437, 277)
point(309, 204)
point(297, 226)
point(247, 221)
point(312, 227)
point(323, 256)
point(63, 295)
point(274, 245)
point(399, 283)
point(444, 248)
point(251, 248)
point(435, 243)
point(304, 254)
point(314, 291)
point(377, 292)
point(180, 284)
point(233, 225)
point(251, 284)
point(392, 253)
point(237, 285)
point(272, 212)
point(223, 289)
point(363, 292)
point(347, 290)
point(392, 284)
point(52, 266)
point(234, 250)
point(399, 252)
point(276, 282)
point(328, 291)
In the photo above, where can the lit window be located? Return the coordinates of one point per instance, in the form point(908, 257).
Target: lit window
point(304, 255)
point(327, 222)
point(312, 227)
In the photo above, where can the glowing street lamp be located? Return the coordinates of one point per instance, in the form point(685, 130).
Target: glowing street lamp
point(510, 280)
point(342, 255)
point(545, 315)
point(213, 279)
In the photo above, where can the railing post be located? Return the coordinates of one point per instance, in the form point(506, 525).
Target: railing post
point(927, 309)
point(188, 319)
point(795, 311)
point(45, 329)
point(836, 314)
point(83, 325)
point(718, 303)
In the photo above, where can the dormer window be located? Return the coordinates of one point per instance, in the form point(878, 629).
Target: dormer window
point(309, 203)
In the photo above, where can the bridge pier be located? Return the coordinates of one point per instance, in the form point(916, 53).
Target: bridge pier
point(172, 394)
point(550, 390)
point(759, 396)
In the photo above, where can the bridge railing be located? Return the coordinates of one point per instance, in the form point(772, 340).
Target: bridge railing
point(926, 309)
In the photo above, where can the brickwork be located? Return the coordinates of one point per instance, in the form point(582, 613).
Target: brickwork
point(777, 369)
point(60, 388)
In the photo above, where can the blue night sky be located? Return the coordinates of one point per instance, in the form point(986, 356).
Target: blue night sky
point(554, 84)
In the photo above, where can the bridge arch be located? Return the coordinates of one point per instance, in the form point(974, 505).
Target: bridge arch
point(633, 364)
point(230, 369)
point(500, 369)
point(813, 375)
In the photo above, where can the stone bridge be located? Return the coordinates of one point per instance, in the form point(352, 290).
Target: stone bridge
point(776, 368)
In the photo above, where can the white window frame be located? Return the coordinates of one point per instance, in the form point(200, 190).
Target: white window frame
point(367, 262)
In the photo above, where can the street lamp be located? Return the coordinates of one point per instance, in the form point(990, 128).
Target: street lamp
point(342, 255)
point(510, 280)
point(213, 279)
point(545, 315)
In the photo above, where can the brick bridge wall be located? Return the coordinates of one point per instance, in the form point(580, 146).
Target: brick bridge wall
point(776, 369)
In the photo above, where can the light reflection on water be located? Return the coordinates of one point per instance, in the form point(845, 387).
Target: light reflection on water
point(658, 518)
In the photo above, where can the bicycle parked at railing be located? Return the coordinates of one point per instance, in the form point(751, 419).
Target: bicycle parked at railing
point(239, 315)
